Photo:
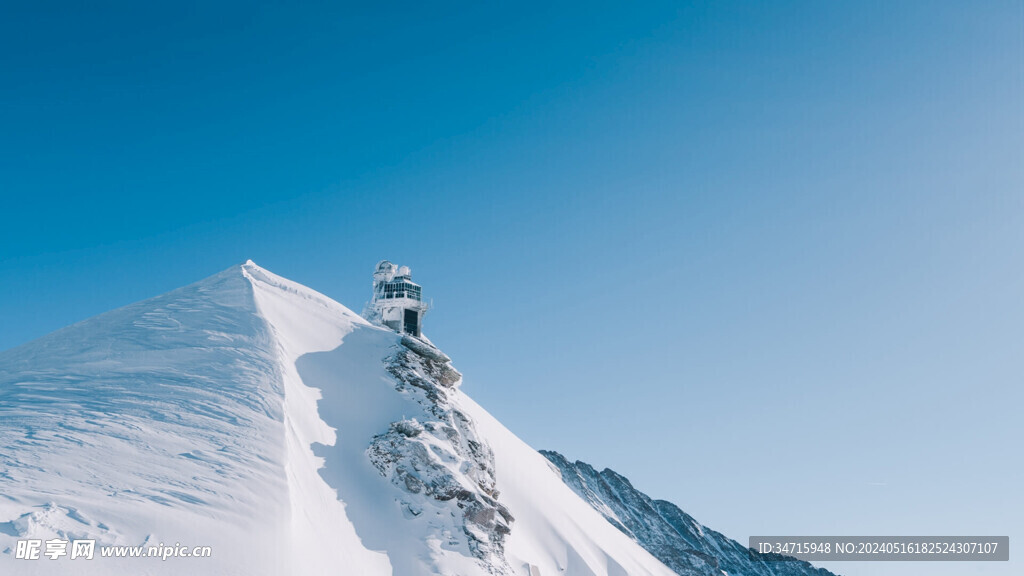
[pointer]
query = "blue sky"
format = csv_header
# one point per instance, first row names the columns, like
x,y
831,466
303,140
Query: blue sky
x,y
765,260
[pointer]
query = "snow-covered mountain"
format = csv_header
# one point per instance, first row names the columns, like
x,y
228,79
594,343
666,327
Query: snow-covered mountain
x,y
254,416
260,418
670,534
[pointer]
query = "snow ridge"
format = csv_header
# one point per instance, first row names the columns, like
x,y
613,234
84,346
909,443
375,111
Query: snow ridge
x,y
156,422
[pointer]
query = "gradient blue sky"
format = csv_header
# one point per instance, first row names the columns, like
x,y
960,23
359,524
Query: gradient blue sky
x,y
765,259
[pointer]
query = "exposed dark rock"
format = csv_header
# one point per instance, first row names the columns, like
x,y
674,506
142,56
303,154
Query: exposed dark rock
x,y
424,349
419,457
668,533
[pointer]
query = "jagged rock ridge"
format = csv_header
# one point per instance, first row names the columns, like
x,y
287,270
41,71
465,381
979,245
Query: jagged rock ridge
x,y
668,533
443,458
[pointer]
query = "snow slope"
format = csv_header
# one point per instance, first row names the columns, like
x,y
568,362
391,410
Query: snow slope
x,y
256,416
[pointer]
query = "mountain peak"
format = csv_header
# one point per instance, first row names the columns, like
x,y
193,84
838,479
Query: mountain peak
x,y
257,416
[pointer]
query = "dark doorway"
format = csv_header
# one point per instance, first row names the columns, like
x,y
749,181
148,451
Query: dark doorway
x,y
412,322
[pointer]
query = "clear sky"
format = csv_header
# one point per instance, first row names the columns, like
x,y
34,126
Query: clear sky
x,y
765,259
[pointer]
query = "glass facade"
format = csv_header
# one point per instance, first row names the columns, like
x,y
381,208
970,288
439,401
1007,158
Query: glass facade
x,y
400,289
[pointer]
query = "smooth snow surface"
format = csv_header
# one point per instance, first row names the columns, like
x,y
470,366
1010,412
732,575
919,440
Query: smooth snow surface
x,y
236,413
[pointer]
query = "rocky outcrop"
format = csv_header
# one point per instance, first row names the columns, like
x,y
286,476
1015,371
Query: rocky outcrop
x,y
668,533
442,458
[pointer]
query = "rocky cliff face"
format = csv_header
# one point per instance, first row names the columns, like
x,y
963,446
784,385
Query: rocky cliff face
x,y
443,458
668,533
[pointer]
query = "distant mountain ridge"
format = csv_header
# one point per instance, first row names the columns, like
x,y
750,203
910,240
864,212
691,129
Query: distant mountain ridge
x,y
668,533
